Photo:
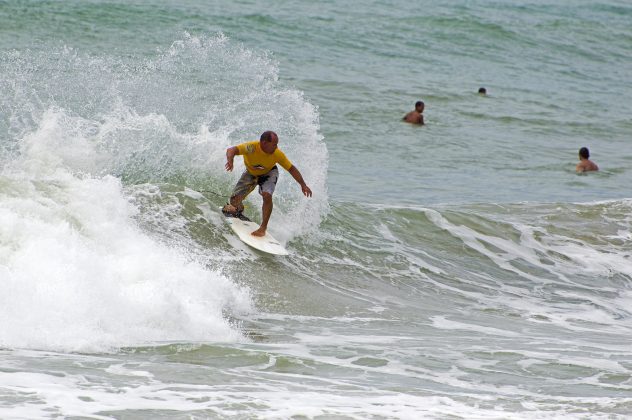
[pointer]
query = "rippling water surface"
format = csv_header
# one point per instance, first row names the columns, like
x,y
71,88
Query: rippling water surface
x,y
456,270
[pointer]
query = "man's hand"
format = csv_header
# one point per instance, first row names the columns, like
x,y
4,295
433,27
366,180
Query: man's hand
x,y
306,191
229,165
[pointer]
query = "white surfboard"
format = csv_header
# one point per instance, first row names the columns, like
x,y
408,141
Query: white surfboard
x,y
266,243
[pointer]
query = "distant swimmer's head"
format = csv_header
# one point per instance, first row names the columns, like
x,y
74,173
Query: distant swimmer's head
x,y
419,106
269,141
584,153
482,91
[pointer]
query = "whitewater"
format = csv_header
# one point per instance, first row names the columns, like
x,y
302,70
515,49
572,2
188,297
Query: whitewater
x,y
456,270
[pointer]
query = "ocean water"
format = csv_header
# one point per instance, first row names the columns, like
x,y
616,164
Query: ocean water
x,y
459,270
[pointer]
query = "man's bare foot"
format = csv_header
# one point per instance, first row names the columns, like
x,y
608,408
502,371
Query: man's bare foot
x,y
259,232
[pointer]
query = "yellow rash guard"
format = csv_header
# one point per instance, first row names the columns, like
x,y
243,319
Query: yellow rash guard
x,y
259,162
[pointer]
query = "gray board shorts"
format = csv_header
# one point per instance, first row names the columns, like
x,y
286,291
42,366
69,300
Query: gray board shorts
x,y
247,183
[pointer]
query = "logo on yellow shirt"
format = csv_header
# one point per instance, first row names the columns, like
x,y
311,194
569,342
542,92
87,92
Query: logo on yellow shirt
x,y
250,148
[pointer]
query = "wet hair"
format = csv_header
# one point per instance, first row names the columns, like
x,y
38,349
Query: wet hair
x,y
419,103
583,152
482,90
267,136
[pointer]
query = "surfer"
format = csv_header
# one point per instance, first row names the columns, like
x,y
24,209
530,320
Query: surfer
x,y
585,164
260,158
416,116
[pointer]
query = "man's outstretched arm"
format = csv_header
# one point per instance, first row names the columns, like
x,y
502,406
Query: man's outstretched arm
x,y
230,155
299,178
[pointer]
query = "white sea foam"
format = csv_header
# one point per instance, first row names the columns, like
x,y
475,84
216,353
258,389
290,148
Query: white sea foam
x,y
74,396
446,324
78,274
580,258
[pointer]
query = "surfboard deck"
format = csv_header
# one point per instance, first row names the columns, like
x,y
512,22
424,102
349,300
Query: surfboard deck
x,y
243,227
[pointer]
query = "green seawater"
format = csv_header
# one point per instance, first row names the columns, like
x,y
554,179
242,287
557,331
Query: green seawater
x,y
457,270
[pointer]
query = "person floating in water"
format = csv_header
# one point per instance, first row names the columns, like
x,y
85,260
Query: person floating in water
x,y
416,116
585,164
482,91
260,158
